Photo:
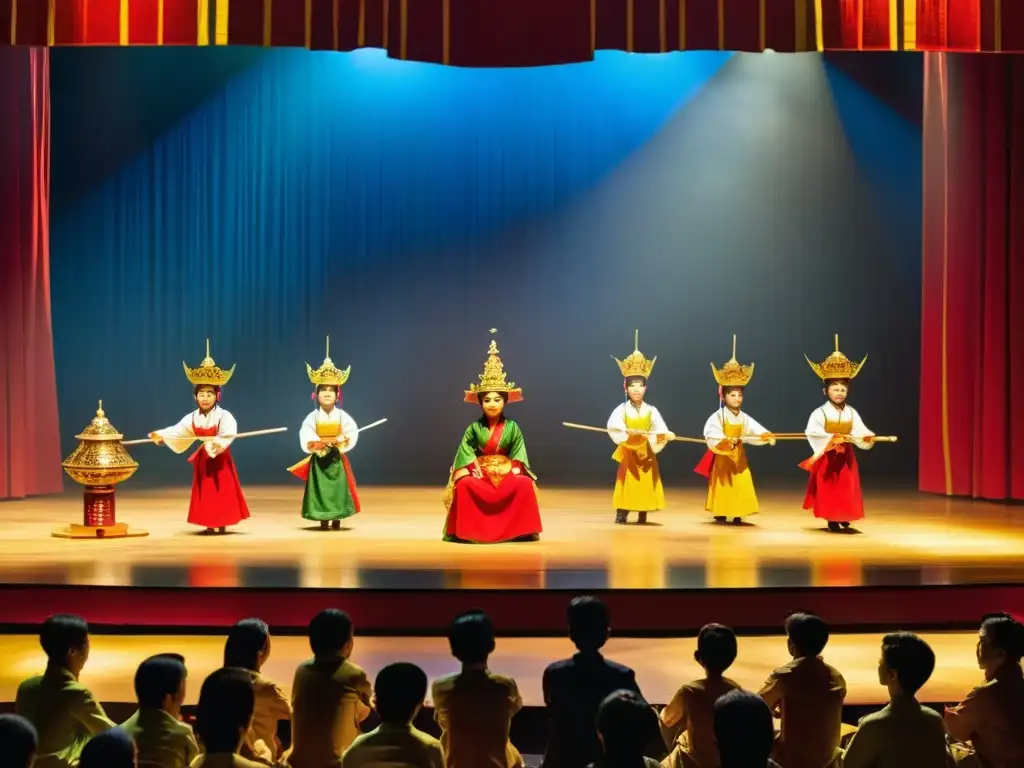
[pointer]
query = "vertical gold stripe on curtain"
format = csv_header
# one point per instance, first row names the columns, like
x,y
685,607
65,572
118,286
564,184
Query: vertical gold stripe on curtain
x,y
403,25
361,25
909,25
682,25
800,32
721,25
268,22
334,23
159,22
203,22
593,25
386,14
894,25
860,25
14,22
446,31
308,36
662,31
997,20
762,25
629,26
123,26
51,22
819,31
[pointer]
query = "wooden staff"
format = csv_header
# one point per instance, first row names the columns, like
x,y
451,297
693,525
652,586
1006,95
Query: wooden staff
x,y
257,433
677,439
802,436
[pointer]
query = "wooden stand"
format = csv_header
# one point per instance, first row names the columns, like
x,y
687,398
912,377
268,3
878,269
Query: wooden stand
x,y
99,518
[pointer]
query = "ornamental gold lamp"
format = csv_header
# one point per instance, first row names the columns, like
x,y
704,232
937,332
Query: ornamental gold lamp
x,y
99,463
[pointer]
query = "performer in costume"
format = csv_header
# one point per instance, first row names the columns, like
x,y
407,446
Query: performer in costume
x,y
833,491
638,430
730,484
327,435
491,495
217,499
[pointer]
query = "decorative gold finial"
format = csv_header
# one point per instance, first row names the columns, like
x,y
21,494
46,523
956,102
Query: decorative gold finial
x,y
732,374
328,374
836,366
208,373
635,364
99,410
493,377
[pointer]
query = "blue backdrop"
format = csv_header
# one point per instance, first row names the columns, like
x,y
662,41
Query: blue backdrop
x,y
267,199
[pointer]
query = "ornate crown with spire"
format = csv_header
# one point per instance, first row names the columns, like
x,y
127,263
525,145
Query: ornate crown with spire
x,y
836,366
636,364
328,374
493,378
208,372
732,374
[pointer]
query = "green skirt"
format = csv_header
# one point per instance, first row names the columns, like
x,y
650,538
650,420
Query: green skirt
x,y
330,489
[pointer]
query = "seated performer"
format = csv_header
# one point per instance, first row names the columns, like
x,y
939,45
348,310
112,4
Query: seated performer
x,y
491,496
833,491
640,433
217,499
327,435
730,485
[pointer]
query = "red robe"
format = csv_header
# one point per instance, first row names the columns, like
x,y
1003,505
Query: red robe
x,y
484,513
833,489
217,499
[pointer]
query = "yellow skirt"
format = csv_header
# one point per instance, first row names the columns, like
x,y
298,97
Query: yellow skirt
x,y
638,485
731,488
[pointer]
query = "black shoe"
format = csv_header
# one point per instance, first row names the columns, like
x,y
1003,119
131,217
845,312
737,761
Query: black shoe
x,y
719,518
324,525
846,526
641,518
222,529
336,525
620,516
835,528
737,520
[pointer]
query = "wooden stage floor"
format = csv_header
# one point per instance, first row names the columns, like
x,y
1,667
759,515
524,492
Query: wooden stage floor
x,y
907,539
661,664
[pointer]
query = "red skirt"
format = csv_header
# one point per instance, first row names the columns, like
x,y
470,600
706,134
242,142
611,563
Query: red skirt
x,y
833,490
217,499
483,513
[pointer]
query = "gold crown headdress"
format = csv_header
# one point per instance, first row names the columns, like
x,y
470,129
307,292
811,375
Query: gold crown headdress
x,y
208,372
732,374
636,364
493,378
836,366
328,374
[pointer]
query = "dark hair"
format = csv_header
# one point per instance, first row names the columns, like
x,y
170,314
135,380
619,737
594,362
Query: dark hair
x,y
631,379
626,723
399,689
158,677
471,637
728,387
808,633
743,729
246,640
589,623
910,657
61,634
840,380
335,387
329,632
1006,634
18,739
226,703
716,647
197,387
481,395
110,749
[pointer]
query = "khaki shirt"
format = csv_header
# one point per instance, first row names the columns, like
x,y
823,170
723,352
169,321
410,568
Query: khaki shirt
x,y
330,698
64,713
991,718
393,746
162,740
904,734
474,709
691,713
808,695
271,705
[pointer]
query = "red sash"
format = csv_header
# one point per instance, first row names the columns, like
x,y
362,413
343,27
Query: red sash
x,y
494,441
704,467
202,432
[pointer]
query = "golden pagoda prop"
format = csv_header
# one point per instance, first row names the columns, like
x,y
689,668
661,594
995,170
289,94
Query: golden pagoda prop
x,y
99,463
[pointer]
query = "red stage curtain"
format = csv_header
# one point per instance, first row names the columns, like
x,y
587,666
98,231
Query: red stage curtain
x,y
29,435
972,335
485,33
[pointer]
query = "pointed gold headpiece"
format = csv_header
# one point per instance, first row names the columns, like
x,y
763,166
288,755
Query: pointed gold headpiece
x,y
208,372
328,374
493,378
636,364
836,366
732,374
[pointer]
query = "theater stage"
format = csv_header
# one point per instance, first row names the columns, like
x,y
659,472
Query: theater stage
x,y
918,560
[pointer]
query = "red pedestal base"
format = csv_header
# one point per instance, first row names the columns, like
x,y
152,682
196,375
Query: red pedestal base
x,y
99,519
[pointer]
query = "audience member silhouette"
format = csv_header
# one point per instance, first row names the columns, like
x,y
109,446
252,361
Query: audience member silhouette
x,y
223,718
18,741
111,749
744,731
625,725
162,740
